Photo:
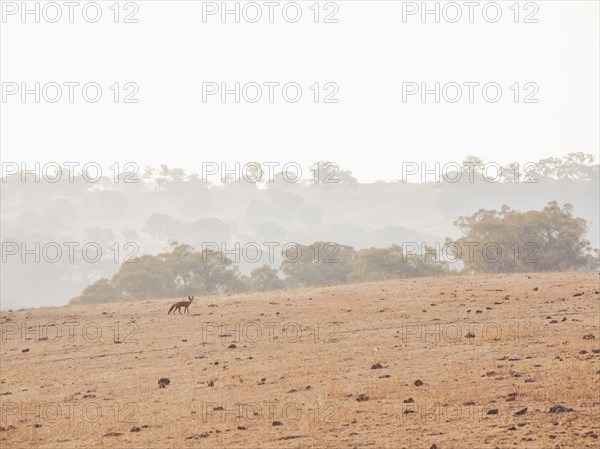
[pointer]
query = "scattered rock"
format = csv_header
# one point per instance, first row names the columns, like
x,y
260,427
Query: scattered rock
x,y
135,429
470,335
292,437
535,289
277,423
362,397
241,428
197,437
231,346
113,434
211,384
377,366
409,401
560,409
25,350
589,337
493,411
163,382
578,294
418,383
385,376
521,412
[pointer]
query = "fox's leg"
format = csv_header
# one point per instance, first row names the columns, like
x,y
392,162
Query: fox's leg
x,y
179,308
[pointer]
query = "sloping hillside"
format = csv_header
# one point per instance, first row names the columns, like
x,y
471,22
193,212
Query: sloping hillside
x,y
459,362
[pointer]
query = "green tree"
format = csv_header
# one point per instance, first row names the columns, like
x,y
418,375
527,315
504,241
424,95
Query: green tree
x,y
264,279
99,292
322,263
375,264
508,240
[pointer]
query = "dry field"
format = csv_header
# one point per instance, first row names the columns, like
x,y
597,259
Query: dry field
x,y
502,361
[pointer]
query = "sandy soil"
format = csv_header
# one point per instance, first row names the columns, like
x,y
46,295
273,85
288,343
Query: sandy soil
x,y
452,362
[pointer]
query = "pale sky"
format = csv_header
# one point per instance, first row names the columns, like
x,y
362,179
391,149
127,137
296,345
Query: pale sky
x,y
368,54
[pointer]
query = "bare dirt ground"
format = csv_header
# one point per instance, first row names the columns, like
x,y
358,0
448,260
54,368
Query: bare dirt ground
x,y
498,361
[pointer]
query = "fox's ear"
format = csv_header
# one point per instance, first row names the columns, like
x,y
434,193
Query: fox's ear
x,y
189,297
192,297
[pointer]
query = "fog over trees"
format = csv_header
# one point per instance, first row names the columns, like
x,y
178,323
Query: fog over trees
x,y
166,232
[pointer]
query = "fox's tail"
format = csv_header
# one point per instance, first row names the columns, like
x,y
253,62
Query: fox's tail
x,y
171,309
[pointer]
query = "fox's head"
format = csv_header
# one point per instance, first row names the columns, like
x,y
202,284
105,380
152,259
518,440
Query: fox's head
x,y
190,298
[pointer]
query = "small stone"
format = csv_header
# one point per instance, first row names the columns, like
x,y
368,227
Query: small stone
x,y
418,383
560,409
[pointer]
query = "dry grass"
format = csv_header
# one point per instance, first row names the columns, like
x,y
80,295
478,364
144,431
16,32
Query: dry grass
x,y
78,390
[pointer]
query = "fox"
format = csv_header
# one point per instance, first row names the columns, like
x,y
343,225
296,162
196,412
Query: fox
x,y
180,304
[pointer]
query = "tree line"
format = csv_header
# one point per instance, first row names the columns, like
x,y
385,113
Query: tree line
x,y
493,241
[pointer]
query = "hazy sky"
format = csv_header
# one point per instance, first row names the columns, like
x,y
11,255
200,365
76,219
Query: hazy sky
x,y
368,54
